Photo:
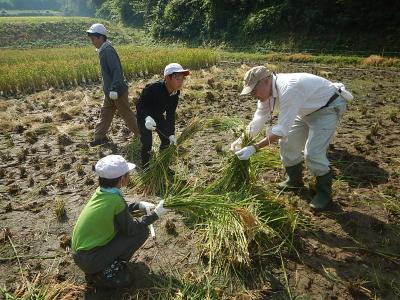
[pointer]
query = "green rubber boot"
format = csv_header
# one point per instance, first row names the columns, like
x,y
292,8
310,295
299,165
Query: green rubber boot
x,y
323,195
295,177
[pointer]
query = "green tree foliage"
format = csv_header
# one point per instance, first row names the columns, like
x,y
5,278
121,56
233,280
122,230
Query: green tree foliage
x,y
78,8
249,20
180,19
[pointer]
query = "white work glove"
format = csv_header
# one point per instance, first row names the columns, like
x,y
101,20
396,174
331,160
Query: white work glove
x,y
150,123
160,210
146,206
246,152
236,145
172,140
113,95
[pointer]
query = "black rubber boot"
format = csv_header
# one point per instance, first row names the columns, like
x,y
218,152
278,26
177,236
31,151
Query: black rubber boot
x,y
295,177
323,196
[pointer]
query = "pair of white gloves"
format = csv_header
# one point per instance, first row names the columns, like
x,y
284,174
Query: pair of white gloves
x,y
242,153
159,209
151,125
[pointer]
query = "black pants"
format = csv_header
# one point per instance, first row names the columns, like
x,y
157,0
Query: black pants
x,y
146,138
121,247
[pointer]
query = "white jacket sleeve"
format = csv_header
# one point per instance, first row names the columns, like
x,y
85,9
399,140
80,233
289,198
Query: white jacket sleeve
x,y
261,116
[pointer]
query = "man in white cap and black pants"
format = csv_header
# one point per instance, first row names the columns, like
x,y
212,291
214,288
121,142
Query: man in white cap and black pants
x,y
309,110
105,235
115,87
159,98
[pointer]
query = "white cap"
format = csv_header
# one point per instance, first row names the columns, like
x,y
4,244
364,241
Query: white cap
x,y
97,28
175,68
252,77
113,166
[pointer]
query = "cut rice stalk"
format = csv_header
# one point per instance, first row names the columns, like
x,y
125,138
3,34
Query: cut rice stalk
x,y
237,174
156,177
132,150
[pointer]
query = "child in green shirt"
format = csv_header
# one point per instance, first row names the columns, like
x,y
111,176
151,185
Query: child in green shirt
x,y
105,235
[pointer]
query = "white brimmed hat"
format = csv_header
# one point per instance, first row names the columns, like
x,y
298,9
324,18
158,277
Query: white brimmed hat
x,y
175,68
252,77
97,28
113,166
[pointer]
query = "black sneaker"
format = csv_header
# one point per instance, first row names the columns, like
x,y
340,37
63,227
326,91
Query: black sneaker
x,y
117,275
100,141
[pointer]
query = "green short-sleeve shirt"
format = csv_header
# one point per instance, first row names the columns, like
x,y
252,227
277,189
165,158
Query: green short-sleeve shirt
x,y
95,226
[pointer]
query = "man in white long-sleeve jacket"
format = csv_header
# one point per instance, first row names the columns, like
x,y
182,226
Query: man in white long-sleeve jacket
x,y
309,110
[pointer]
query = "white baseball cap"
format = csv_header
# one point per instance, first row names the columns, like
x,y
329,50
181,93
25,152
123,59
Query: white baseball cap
x,y
175,68
97,28
113,166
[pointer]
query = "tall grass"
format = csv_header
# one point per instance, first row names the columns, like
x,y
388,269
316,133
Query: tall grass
x,y
27,71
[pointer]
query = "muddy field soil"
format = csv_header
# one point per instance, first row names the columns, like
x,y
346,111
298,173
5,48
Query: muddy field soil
x,y
351,251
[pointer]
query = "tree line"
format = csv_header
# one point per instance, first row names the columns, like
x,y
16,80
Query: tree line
x,y
328,24
350,24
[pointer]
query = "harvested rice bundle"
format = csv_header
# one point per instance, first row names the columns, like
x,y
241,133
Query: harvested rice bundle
x,y
237,174
155,178
234,227
226,225
265,159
